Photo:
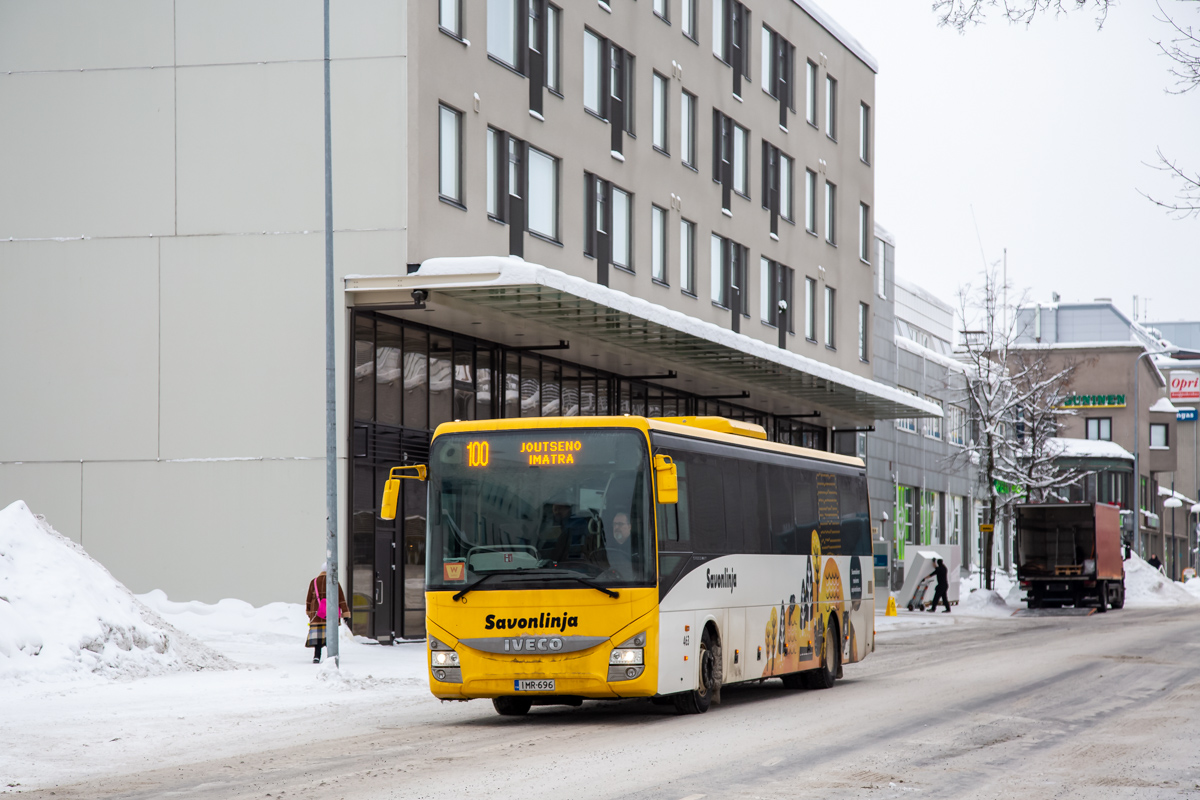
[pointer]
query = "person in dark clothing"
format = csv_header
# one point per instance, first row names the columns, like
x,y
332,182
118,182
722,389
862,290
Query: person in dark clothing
x,y
942,587
1155,562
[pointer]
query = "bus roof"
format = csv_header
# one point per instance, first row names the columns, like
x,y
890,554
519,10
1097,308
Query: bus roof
x,y
694,427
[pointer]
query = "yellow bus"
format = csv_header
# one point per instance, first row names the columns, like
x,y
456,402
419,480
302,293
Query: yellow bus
x,y
620,557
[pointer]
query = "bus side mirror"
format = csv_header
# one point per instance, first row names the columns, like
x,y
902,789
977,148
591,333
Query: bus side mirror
x,y
667,479
391,489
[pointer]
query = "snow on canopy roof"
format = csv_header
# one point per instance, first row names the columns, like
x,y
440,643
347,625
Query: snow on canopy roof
x,y
1089,448
1164,406
1163,491
505,280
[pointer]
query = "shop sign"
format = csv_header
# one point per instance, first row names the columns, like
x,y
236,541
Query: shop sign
x,y
1185,385
1185,415
1094,401
1003,487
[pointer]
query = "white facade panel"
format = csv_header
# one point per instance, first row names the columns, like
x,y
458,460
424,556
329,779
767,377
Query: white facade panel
x,y
368,159
79,320
251,148
368,29
248,31
96,160
254,530
243,376
64,34
52,490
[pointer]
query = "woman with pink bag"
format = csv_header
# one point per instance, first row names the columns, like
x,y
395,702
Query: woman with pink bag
x,y
317,613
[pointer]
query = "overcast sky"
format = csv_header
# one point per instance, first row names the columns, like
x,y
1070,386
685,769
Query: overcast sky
x,y
1043,130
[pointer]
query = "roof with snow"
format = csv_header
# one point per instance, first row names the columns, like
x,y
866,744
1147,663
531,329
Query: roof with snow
x,y
579,307
822,18
1091,454
1163,406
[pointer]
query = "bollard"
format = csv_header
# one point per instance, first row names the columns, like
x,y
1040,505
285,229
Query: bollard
x,y
891,606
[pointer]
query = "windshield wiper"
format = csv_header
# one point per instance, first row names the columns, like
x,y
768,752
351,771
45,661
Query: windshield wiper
x,y
578,579
459,594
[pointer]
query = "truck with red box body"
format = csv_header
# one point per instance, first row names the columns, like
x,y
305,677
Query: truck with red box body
x,y
1070,554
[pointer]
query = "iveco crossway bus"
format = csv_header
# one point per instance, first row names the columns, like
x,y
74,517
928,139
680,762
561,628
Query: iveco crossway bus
x,y
616,557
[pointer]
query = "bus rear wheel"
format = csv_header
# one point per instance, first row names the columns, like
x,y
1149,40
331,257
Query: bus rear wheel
x,y
698,700
512,706
824,677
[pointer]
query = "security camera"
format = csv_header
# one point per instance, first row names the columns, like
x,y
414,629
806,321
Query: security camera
x,y
419,295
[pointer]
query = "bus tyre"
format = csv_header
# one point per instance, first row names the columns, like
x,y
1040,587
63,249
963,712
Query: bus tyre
x,y
512,706
698,701
824,677
1102,606
793,680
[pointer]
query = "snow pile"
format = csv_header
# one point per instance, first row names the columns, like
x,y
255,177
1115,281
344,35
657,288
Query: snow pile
x,y
232,620
63,616
984,603
1145,586
1193,586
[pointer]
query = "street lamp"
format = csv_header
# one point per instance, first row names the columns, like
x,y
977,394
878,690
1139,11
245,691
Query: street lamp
x,y
1137,455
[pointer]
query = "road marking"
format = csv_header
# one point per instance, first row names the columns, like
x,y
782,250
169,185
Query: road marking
x,y
693,797
772,762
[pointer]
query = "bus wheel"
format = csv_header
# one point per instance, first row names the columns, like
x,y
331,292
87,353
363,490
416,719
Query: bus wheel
x,y
793,680
698,701
512,706
824,677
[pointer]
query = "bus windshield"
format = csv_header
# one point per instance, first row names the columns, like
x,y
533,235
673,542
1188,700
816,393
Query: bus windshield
x,y
539,508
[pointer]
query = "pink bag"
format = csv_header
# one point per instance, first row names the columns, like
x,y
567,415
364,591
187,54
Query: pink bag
x,y
320,601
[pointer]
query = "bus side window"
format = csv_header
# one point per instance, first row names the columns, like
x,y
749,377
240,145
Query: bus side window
x,y
736,511
856,523
804,499
782,523
706,477
754,508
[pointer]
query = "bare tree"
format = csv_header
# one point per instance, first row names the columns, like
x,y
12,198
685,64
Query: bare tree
x,y
1033,464
1181,47
1013,398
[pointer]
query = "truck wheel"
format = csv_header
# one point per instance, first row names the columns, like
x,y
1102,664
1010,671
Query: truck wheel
x,y
698,700
1103,605
1119,596
512,706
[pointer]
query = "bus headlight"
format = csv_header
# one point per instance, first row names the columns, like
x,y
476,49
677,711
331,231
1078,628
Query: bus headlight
x,y
445,658
626,656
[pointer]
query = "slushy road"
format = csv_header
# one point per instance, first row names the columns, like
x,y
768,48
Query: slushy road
x,y
1066,707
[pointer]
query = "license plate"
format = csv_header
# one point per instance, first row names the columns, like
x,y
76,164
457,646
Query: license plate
x,y
533,686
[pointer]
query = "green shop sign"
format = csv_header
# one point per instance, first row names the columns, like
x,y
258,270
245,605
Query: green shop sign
x,y
1008,488
1094,401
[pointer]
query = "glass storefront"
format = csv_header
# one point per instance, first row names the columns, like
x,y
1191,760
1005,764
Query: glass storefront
x,y
407,379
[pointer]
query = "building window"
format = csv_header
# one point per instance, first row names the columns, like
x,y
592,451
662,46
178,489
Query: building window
x,y
593,99
881,269
775,289
503,32
830,327
956,418
810,105
907,423
661,10
1158,435
864,232
777,184
810,201
730,153
1100,428
810,309
622,228
687,128
658,244
687,13
687,256
543,194
864,133
864,331
659,126
778,68
831,107
450,154
728,275
933,425
830,213
553,48
450,16
495,200
731,34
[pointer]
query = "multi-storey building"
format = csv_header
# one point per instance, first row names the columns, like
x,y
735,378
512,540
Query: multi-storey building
x,y
921,482
1117,361
659,207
